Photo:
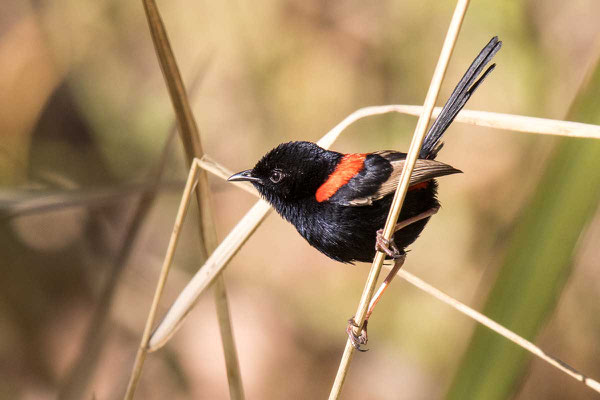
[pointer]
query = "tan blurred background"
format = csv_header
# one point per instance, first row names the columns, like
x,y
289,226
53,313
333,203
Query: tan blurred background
x,y
84,118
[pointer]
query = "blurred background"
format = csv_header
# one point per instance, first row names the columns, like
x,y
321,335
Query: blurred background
x,y
85,122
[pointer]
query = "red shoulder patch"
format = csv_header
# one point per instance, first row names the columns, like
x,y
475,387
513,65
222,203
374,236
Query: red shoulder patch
x,y
349,165
418,186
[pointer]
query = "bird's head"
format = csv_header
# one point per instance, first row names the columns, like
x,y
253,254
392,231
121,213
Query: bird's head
x,y
290,172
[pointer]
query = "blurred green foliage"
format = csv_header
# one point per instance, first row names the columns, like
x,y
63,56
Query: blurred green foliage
x,y
539,259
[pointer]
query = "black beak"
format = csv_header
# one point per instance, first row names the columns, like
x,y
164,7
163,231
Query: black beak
x,y
243,176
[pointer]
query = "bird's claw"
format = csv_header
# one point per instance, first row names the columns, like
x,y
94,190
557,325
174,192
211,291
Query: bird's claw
x,y
357,340
387,246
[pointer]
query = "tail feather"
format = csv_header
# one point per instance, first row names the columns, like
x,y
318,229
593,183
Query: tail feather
x,y
459,97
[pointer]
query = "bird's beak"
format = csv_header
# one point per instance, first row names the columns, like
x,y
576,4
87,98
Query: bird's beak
x,y
243,176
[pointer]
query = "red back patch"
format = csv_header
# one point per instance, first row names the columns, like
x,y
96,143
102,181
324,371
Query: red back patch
x,y
349,165
418,186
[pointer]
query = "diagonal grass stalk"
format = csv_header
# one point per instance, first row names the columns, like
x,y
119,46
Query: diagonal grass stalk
x,y
516,123
411,158
190,137
162,280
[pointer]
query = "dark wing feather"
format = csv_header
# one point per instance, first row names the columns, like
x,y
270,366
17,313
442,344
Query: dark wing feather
x,y
380,177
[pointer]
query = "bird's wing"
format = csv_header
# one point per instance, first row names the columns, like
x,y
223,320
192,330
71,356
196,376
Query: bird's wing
x,y
380,177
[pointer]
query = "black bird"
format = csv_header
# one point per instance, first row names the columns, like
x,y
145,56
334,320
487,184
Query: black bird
x,y
339,202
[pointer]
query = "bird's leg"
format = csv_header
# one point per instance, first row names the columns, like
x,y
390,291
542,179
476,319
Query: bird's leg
x,y
398,263
390,249
358,340
388,246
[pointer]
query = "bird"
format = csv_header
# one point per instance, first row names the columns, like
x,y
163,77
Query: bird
x,y
339,202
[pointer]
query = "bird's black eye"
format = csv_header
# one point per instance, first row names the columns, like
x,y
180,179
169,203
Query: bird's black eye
x,y
276,176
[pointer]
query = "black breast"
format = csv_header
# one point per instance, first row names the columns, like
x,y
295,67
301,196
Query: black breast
x,y
347,234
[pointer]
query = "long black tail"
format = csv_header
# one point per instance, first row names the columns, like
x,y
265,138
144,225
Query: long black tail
x,y
459,97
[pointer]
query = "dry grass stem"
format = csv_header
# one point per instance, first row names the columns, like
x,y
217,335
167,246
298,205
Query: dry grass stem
x,y
517,123
190,138
162,280
207,274
21,203
499,329
411,158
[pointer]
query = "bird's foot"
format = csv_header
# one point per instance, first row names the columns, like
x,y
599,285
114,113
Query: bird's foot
x,y
357,340
387,246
